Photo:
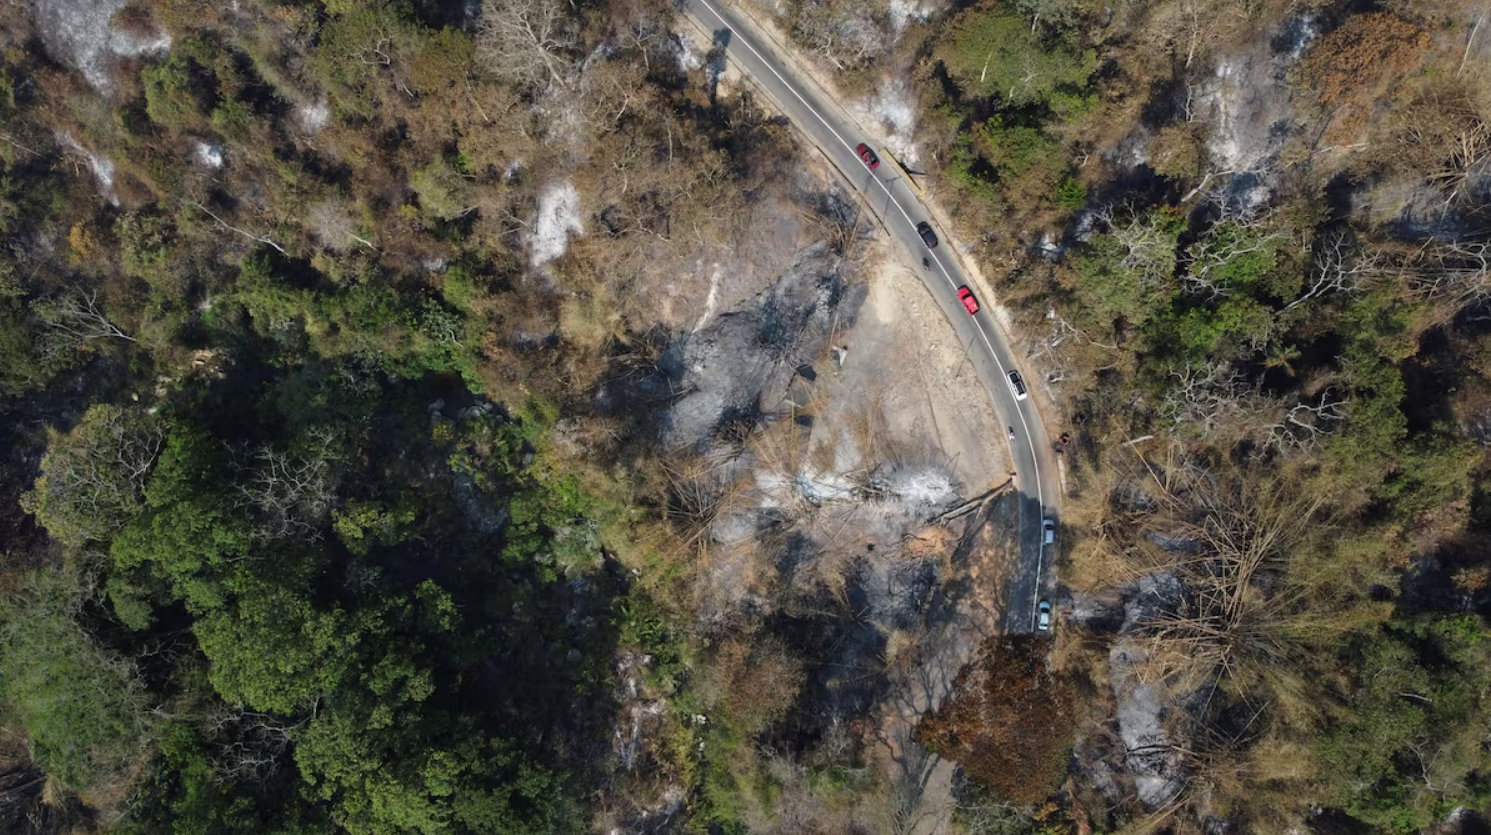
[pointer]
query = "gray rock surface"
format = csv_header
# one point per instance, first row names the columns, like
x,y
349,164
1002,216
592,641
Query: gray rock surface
x,y
740,365
81,32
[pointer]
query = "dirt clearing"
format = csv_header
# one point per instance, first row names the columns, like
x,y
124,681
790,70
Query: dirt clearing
x,y
905,370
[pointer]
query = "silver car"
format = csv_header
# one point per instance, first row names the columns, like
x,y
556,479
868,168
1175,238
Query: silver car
x,y
1043,616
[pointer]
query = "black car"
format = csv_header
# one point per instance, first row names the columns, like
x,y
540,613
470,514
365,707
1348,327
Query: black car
x,y
928,236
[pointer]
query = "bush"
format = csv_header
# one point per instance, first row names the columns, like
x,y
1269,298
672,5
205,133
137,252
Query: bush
x,y
81,703
1353,67
1029,162
176,96
1071,194
443,191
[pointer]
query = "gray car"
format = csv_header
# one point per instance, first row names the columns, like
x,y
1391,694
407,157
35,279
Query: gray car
x,y
1043,616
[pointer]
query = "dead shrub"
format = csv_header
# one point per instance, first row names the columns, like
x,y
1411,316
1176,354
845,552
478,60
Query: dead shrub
x,y
755,682
1353,68
1010,722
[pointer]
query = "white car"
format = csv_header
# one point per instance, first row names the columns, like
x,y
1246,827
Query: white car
x,y
1043,616
1017,385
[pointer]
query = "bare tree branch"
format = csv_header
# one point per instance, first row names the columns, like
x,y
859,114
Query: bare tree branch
x,y
528,41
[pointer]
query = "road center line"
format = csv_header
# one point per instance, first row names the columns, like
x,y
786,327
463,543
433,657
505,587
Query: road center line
x,y
978,324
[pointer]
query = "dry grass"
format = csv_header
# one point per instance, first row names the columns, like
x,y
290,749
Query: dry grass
x,y
1266,598
1252,551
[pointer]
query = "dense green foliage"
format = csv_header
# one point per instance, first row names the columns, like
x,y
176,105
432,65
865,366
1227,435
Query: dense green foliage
x,y
364,657
1405,748
82,703
994,52
324,535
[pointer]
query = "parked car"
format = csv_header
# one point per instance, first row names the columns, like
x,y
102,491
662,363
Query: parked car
x,y
928,236
1017,385
965,296
1043,616
1048,532
867,156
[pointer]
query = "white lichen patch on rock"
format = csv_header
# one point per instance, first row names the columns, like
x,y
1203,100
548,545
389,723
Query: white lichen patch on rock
x,y
82,33
208,155
101,166
1246,102
1150,751
558,216
904,12
921,489
313,117
689,56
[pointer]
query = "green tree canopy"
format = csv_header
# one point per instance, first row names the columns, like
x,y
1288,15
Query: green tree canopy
x,y
992,52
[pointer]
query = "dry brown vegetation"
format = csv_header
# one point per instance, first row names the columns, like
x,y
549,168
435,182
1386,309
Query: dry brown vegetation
x,y
1010,723
1265,587
1351,69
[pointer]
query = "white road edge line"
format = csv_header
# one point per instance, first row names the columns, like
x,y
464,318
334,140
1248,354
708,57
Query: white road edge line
x,y
1035,459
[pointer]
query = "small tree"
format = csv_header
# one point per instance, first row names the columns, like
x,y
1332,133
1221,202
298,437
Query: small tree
x,y
1010,722
73,321
1353,67
994,53
93,478
443,191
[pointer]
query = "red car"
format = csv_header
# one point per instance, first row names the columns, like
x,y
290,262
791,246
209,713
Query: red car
x,y
965,296
868,156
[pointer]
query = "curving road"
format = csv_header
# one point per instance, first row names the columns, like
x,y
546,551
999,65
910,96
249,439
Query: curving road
x,y
893,200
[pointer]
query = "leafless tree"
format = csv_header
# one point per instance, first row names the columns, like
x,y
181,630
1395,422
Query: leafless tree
x,y
843,33
1220,402
1342,267
531,42
1213,401
331,221
1249,565
1457,272
1305,424
1445,134
223,224
1149,249
609,90
247,747
288,493
1231,236
73,320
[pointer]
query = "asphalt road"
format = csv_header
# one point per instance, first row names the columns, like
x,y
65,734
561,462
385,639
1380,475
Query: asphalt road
x,y
894,201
